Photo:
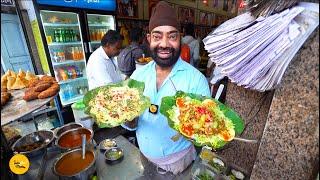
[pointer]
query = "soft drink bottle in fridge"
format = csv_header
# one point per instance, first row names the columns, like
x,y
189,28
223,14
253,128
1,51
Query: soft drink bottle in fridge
x,y
101,33
56,35
69,71
92,38
67,35
80,53
73,53
96,35
63,74
67,93
61,55
74,73
70,91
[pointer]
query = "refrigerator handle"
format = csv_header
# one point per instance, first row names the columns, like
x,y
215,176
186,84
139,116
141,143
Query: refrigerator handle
x,y
90,47
85,47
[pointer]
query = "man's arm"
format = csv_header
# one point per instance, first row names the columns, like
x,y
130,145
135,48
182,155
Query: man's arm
x,y
196,51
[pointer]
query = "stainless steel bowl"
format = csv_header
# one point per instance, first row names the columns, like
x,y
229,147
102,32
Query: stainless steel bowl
x,y
66,127
43,138
83,174
74,135
113,155
107,144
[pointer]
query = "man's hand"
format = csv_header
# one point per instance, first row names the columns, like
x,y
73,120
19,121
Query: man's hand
x,y
132,124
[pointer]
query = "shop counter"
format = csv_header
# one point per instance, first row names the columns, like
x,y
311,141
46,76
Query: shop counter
x,y
133,166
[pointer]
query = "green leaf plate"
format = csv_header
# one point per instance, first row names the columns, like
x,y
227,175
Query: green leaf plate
x,y
169,101
131,83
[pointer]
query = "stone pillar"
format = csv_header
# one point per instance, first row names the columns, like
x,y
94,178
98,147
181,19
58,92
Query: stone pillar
x,y
289,147
253,108
285,121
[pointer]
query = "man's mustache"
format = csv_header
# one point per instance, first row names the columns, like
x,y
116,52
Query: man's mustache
x,y
164,49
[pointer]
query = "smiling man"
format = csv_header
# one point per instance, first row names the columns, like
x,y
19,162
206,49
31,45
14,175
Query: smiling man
x,y
164,76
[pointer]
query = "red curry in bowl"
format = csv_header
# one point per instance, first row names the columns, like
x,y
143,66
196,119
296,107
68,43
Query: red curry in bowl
x,y
72,163
72,139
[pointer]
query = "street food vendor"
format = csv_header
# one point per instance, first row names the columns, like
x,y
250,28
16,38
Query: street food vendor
x,y
164,76
102,68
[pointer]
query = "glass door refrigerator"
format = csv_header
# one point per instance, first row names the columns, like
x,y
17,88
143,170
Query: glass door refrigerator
x,y
65,44
98,25
71,34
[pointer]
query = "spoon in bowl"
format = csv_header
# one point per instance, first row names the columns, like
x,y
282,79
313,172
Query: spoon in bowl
x,y
83,146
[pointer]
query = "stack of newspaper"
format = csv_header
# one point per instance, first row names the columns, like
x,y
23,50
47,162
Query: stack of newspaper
x,y
266,8
255,52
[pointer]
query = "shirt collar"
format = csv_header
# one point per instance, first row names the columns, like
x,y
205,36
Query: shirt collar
x,y
179,66
103,53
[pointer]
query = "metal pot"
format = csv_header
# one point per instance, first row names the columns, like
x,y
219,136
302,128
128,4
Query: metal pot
x,y
66,127
74,137
84,174
39,139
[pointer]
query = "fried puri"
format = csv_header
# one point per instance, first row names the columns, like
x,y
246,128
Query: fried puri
x,y
51,91
33,82
47,78
42,86
5,96
30,94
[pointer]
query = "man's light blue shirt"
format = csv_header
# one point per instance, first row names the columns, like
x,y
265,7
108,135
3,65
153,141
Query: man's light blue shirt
x,y
153,132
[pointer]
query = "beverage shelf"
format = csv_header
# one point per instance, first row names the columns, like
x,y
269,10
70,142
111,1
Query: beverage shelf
x,y
72,80
95,42
68,62
72,100
99,25
65,43
59,25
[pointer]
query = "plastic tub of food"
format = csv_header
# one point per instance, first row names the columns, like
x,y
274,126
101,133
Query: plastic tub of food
x,y
201,171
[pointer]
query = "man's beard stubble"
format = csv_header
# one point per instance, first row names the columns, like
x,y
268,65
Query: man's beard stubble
x,y
168,62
